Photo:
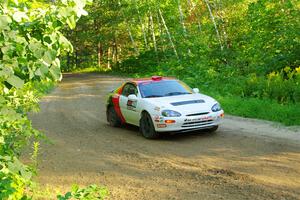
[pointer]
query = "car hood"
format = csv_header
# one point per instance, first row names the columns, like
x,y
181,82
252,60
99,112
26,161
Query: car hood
x,y
185,104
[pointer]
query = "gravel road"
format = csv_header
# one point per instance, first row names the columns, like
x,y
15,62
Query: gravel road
x,y
244,159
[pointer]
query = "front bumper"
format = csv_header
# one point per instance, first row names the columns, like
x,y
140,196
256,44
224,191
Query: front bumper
x,y
185,123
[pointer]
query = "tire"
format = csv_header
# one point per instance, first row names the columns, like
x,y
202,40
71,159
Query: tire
x,y
147,128
212,129
112,118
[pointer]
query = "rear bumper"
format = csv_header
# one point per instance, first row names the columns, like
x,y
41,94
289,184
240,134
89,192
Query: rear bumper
x,y
187,124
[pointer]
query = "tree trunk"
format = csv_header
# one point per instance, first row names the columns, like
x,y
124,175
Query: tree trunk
x,y
132,40
142,26
115,50
163,41
191,4
152,30
182,24
181,18
100,52
220,15
129,32
214,22
108,58
169,35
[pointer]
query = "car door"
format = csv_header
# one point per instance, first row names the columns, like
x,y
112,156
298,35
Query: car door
x,y
128,107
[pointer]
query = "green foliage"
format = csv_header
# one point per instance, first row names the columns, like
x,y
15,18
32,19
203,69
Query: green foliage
x,y
15,132
281,86
234,49
91,192
30,43
146,62
255,40
261,108
273,39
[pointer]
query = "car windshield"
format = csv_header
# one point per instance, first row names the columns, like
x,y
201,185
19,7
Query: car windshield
x,y
163,88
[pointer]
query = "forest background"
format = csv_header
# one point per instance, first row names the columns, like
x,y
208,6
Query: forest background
x,y
245,53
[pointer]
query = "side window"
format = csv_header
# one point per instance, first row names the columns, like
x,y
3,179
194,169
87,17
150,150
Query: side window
x,y
129,89
125,90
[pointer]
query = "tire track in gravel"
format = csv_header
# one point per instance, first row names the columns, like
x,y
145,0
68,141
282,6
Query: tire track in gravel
x,y
245,159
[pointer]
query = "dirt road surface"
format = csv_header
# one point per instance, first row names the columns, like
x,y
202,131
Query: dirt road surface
x,y
244,159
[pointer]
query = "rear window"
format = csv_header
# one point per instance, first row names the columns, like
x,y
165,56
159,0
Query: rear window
x,y
163,88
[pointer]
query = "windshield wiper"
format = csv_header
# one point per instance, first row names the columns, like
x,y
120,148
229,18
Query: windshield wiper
x,y
151,96
176,93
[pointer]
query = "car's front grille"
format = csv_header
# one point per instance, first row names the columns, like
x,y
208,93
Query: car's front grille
x,y
197,123
197,114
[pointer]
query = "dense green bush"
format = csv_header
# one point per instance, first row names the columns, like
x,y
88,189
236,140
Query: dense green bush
x,y
30,42
15,132
92,192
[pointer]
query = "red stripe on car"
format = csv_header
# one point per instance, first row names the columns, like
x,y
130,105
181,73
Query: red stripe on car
x,y
116,103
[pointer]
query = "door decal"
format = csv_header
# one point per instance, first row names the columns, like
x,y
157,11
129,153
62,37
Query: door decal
x,y
131,105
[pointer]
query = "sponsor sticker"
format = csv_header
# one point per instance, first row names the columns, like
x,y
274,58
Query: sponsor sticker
x,y
199,119
161,125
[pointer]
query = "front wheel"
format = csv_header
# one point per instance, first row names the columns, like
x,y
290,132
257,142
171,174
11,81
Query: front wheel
x,y
147,128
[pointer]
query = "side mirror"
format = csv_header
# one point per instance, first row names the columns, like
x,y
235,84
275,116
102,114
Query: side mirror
x,y
196,90
132,97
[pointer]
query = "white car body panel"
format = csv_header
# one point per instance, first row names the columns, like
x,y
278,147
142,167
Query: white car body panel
x,y
154,106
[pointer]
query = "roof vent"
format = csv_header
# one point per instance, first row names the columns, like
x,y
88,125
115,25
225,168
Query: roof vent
x,y
156,78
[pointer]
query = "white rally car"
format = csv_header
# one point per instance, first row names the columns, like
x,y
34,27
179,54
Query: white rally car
x,y
160,104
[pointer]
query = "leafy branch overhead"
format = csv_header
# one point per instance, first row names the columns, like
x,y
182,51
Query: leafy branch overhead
x,y
31,40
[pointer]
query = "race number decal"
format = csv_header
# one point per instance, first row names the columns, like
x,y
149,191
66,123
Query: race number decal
x,y
131,105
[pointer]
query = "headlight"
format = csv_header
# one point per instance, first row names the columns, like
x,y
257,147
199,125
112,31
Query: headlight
x,y
216,107
170,113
